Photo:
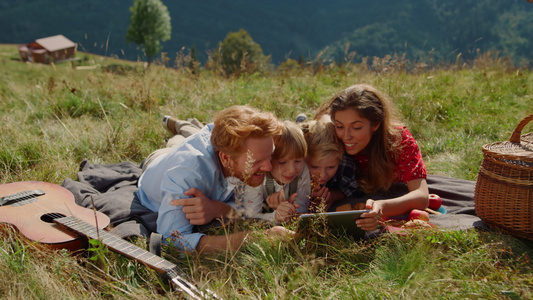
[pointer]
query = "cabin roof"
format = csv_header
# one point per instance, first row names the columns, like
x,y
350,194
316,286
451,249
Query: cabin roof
x,y
56,42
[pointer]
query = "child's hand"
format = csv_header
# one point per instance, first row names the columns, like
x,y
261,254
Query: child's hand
x,y
276,199
285,211
292,198
320,195
321,192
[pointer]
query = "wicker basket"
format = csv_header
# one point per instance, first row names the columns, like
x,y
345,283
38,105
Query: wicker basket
x,y
504,190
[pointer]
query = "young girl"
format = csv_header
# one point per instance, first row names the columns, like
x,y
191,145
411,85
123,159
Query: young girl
x,y
324,154
286,188
384,150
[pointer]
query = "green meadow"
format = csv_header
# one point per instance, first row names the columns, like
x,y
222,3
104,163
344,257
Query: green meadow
x,y
109,111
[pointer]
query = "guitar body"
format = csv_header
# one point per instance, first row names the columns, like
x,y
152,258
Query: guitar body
x,y
32,212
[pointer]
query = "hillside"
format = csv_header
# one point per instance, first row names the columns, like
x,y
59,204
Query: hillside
x,y
419,28
56,116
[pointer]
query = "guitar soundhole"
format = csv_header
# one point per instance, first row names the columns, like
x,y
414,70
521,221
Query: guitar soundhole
x,y
49,218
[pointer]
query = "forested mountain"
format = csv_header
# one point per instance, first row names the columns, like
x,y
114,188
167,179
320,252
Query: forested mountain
x,y
290,29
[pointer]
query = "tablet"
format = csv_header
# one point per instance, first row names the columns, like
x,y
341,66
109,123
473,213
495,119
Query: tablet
x,y
339,222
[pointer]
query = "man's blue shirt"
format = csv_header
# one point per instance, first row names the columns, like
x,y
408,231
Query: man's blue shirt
x,y
192,164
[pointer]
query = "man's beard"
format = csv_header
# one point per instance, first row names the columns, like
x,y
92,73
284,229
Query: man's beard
x,y
247,177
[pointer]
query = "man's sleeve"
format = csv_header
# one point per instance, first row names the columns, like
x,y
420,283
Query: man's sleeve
x,y
171,222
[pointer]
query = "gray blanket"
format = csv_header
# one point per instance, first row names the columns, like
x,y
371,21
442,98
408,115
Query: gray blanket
x,y
457,199
111,189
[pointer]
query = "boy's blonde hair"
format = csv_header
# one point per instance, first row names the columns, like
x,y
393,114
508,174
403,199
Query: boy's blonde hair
x,y
290,143
233,125
322,140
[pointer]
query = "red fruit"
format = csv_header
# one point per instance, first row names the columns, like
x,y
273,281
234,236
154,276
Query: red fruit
x,y
418,214
434,201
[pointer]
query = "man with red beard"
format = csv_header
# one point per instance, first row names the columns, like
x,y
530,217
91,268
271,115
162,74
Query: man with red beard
x,y
194,183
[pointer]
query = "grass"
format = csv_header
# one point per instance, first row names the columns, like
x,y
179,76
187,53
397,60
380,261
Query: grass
x,y
53,117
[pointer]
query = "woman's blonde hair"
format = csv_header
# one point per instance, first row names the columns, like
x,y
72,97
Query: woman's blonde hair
x,y
233,125
291,143
321,140
376,107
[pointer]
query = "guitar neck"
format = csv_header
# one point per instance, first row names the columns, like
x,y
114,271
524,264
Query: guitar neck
x,y
130,250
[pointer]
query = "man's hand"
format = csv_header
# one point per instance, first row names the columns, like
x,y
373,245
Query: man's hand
x,y
199,209
280,232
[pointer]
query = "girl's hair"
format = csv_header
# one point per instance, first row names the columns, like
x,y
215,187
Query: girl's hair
x,y
321,140
233,125
374,106
290,143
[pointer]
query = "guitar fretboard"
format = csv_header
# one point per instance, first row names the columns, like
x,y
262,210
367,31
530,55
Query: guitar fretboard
x,y
130,250
21,197
116,243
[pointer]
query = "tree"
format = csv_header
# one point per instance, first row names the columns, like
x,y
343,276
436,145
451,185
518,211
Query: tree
x,y
193,63
149,25
240,54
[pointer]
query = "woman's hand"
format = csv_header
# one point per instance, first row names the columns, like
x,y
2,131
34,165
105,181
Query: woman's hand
x,y
369,221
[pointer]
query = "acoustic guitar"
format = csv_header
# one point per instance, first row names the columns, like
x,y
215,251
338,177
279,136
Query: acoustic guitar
x,y
31,207
46,213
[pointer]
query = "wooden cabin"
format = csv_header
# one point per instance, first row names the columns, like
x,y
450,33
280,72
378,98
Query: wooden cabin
x,y
49,49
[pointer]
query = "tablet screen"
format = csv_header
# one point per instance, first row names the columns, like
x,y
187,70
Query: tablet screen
x,y
339,222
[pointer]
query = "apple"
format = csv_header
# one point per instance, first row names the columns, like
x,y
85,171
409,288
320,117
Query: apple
x,y
434,201
418,214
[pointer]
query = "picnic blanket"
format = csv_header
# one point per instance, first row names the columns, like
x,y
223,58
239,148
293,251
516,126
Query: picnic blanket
x,y
110,188
457,199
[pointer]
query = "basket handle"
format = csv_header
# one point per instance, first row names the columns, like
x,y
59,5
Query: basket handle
x,y
515,137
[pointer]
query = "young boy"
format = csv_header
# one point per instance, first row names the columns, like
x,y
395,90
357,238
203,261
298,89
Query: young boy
x,y
324,154
287,186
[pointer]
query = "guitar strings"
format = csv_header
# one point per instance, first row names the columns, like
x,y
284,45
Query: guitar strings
x,y
46,208
46,211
